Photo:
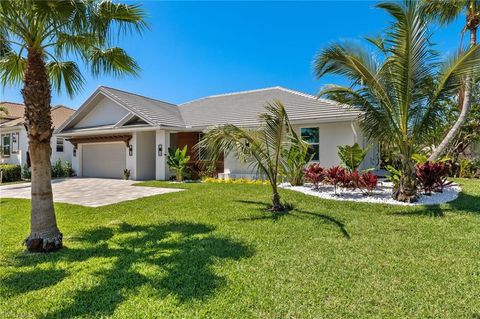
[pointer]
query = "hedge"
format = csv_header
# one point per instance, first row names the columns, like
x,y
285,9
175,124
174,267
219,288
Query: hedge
x,y
11,172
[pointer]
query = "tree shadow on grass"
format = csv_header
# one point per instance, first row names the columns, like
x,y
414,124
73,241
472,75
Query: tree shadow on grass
x,y
466,203
31,280
427,211
292,212
173,259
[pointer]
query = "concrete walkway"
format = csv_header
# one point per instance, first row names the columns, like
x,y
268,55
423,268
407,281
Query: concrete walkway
x,y
91,192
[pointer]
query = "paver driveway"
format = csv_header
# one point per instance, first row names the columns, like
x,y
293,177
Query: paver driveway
x,y
91,192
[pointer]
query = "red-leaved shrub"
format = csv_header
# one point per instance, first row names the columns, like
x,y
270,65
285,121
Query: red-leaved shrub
x,y
432,176
314,174
368,182
355,180
334,176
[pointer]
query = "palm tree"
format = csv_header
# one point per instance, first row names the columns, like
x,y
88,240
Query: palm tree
x,y
400,85
264,148
445,11
36,36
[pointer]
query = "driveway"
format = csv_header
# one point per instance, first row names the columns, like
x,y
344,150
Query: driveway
x,y
91,192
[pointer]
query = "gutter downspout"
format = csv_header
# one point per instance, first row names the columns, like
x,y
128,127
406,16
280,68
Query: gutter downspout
x,y
355,134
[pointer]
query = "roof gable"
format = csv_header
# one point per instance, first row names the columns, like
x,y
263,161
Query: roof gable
x,y
157,112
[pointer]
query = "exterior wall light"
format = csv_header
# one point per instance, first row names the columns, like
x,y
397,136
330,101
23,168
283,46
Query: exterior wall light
x,y
160,149
130,150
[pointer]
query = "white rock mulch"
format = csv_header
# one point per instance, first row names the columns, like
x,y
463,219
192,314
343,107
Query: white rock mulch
x,y
383,194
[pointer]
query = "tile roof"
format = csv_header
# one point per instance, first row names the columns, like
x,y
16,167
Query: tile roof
x,y
153,111
16,111
243,108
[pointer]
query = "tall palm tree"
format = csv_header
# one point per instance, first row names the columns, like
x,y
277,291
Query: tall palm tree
x,y
445,11
264,149
36,38
400,85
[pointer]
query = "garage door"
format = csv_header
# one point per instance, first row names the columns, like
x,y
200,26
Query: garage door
x,y
103,160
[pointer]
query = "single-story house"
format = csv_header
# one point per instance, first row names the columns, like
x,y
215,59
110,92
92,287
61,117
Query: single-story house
x,y
116,130
14,140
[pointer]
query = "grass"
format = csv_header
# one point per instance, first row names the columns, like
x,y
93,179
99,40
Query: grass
x,y
214,252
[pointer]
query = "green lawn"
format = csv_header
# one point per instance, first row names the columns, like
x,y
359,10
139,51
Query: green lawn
x,y
213,251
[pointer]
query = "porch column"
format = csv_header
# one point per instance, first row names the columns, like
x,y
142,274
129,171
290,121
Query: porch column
x,y
131,160
161,140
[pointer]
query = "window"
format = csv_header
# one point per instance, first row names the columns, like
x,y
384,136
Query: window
x,y
202,154
6,145
59,144
311,135
15,142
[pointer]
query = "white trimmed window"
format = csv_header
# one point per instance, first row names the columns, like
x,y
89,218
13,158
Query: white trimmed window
x,y
311,135
15,143
6,145
59,144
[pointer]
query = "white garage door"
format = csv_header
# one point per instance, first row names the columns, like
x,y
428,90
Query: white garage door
x,y
103,160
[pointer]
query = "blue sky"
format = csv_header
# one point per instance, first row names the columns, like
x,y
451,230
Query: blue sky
x,y
195,49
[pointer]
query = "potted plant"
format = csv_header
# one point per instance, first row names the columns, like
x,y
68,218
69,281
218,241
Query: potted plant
x,y
126,174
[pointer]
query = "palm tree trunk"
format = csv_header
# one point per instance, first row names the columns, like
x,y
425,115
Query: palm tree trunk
x,y
407,188
44,233
276,204
440,149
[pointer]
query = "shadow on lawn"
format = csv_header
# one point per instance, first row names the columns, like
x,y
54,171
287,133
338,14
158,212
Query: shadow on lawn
x,y
464,203
294,212
177,258
427,210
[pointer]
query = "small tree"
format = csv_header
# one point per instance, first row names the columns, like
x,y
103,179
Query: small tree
x,y
264,148
178,160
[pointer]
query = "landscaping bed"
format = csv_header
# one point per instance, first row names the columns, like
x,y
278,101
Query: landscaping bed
x,y
381,194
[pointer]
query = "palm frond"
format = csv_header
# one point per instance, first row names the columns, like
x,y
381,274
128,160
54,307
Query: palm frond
x,y
263,149
66,75
113,60
443,11
12,67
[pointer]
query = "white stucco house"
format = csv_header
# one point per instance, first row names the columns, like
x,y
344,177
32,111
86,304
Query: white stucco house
x,y
13,135
116,130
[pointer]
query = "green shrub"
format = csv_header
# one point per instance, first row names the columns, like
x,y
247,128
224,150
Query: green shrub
x,y
10,172
69,172
352,156
178,160
26,174
57,169
60,169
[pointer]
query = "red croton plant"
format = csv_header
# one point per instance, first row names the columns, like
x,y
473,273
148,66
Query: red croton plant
x,y
432,176
314,174
338,176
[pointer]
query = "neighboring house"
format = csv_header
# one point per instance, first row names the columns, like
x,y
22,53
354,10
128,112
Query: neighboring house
x,y
13,135
116,130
